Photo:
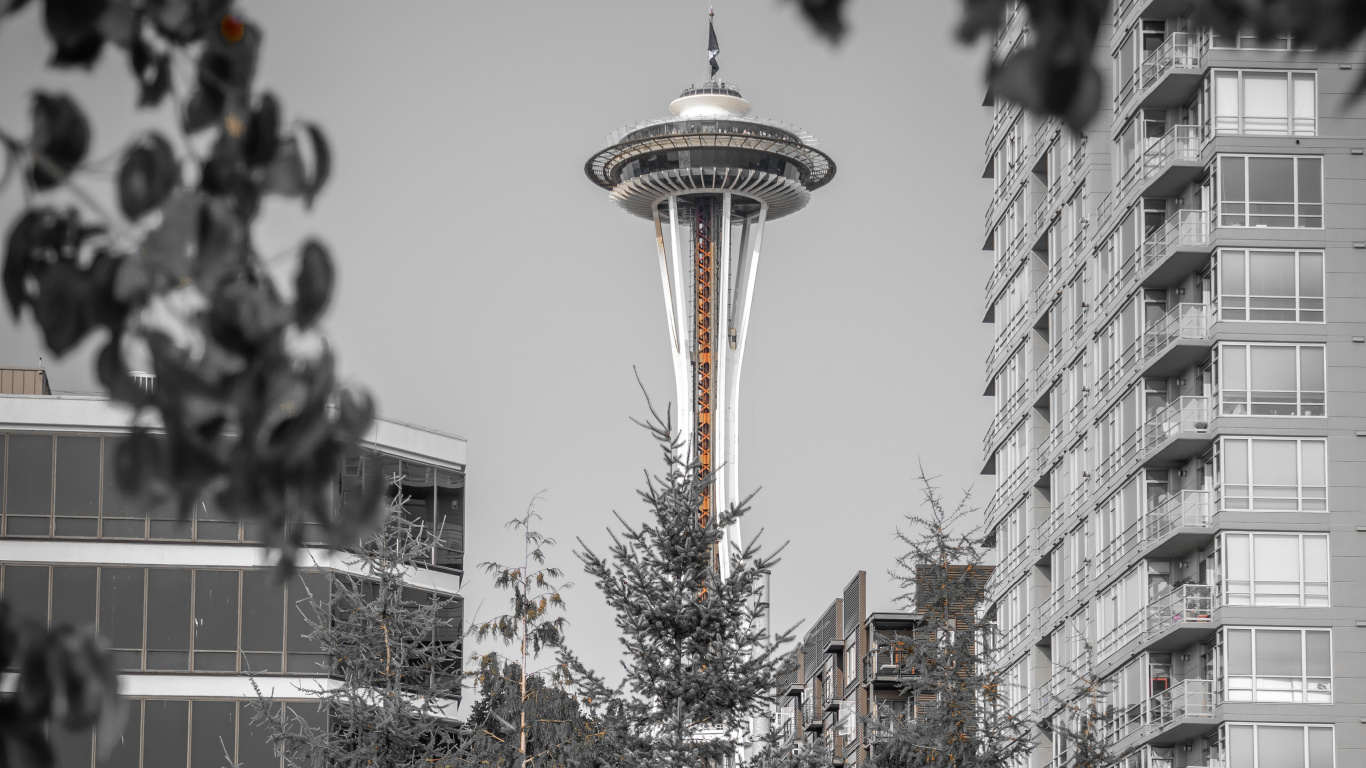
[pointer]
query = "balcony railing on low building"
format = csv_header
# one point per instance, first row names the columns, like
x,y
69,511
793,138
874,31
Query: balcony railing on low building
x,y
1185,605
1186,227
833,690
812,718
1184,321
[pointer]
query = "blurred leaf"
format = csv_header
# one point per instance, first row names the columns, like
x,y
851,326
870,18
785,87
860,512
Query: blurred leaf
x,y
152,70
827,16
322,163
147,175
41,237
8,162
10,6
313,284
73,26
227,66
168,248
61,136
223,244
120,22
286,175
981,17
203,109
263,132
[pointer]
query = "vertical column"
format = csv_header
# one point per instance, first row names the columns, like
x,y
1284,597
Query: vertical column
x,y
741,299
682,377
704,277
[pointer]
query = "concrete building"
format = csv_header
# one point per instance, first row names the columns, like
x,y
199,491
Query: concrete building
x,y
189,607
1179,297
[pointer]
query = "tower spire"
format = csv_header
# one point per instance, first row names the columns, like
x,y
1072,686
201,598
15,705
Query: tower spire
x,y
713,47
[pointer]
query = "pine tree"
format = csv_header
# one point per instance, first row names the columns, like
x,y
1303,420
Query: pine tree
x,y
529,716
697,656
1086,723
960,716
395,652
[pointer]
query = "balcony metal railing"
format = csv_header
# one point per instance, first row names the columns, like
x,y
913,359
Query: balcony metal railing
x,y
812,719
1183,509
1184,321
1185,605
833,690
1181,50
1184,414
1181,143
1185,227
1188,698
885,661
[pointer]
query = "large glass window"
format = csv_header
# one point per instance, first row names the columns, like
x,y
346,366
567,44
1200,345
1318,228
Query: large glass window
x,y
1275,569
28,486
1270,191
1262,745
1273,474
78,486
1271,379
1274,664
1247,40
1265,103
1271,286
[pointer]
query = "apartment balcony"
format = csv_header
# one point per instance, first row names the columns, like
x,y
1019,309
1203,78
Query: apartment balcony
x,y
1176,249
1181,617
1180,713
812,720
886,668
832,693
1173,526
1178,431
1176,341
1170,163
1171,74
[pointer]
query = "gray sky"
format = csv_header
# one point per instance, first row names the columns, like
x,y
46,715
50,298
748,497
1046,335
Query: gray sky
x,y
488,289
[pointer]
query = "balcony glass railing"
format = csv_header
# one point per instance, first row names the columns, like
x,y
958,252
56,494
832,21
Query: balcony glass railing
x,y
1182,509
1185,227
1185,605
1184,321
1188,698
1181,143
1184,414
1181,50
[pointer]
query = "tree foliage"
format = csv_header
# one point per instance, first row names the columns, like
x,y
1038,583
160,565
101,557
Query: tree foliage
x,y
247,401
526,716
1085,725
1055,73
396,653
962,716
698,661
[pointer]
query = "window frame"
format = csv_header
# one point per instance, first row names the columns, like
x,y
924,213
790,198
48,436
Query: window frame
x,y
1303,503
1247,202
1256,598
1223,685
1298,255
1240,119
1302,405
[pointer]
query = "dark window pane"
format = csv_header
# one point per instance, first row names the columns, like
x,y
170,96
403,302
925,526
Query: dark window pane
x,y
254,749
260,663
213,524
28,485
1232,184
263,611
78,477
215,610
1271,179
1311,180
167,734
75,749
168,623
73,596
120,528
115,503
213,729
26,591
125,750
121,606
1279,653
77,527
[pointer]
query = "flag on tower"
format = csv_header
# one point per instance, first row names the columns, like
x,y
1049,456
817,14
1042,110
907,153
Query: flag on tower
x,y
713,48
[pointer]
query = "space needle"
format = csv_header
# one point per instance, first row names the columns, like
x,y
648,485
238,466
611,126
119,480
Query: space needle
x,y
710,177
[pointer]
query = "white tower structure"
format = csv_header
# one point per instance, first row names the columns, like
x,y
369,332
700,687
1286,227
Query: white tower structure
x,y
710,178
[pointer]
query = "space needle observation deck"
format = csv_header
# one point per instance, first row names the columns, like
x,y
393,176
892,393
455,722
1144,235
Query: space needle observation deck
x,y
710,177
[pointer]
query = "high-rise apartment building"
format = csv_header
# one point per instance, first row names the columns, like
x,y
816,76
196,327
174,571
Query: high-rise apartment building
x,y
1179,440
191,608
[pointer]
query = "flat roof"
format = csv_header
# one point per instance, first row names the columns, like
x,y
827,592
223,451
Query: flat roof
x,y
97,414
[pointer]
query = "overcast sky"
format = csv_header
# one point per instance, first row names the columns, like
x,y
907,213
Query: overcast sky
x,y
488,289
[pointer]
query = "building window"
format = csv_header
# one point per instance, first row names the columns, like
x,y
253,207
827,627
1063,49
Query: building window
x,y
1262,745
1265,569
1265,103
1265,664
1272,474
1271,379
1010,381
1270,191
1271,286
1247,40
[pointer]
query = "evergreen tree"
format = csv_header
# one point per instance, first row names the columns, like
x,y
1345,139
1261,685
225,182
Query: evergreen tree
x,y
396,653
698,661
1085,726
525,718
961,716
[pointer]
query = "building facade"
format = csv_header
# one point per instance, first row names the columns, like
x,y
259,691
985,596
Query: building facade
x,y
192,609
1179,299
